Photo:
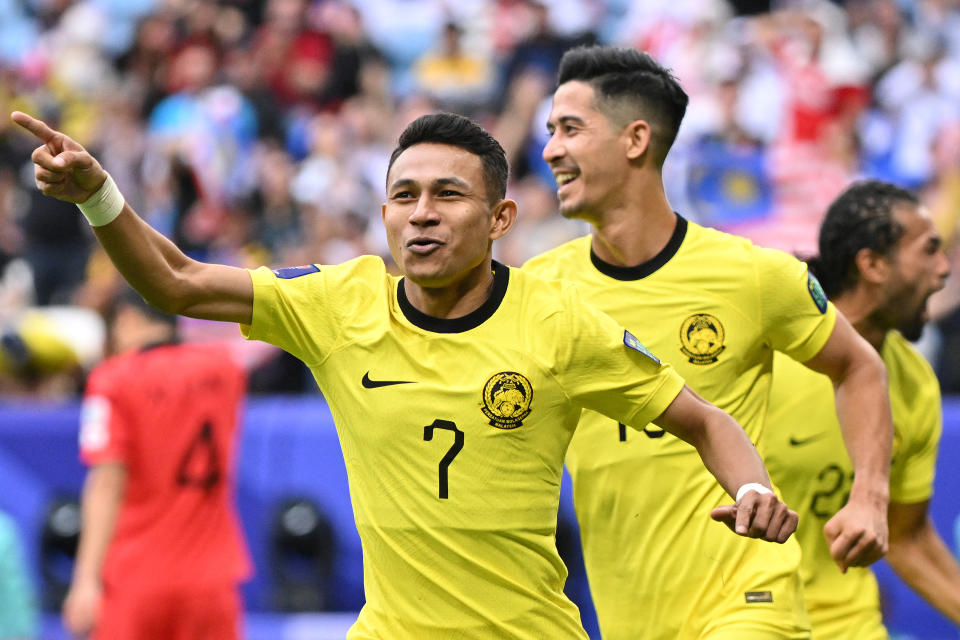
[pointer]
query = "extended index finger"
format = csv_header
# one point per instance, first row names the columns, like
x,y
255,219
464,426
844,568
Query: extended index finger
x,y
38,128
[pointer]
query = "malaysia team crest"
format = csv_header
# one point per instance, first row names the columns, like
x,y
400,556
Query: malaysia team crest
x,y
701,338
506,399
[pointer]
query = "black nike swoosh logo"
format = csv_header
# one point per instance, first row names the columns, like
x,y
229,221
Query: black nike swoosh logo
x,y
373,384
796,442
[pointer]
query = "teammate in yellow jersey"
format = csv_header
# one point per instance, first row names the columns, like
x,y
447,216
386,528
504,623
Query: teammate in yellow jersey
x,y
455,389
715,307
880,259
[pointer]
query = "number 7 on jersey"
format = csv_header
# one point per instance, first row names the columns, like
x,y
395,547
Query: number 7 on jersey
x,y
451,453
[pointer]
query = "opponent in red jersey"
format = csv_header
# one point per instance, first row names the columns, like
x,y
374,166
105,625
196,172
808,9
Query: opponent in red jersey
x,y
161,552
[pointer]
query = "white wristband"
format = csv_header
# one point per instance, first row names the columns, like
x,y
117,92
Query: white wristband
x,y
752,486
104,205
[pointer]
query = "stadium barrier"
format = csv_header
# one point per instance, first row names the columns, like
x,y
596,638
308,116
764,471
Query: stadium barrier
x,y
294,505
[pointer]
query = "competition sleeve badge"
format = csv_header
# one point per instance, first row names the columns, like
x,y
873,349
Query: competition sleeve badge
x,y
631,341
701,338
506,399
288,273
817,293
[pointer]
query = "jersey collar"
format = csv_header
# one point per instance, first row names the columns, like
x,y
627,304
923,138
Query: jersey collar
x,y
644,269
501,277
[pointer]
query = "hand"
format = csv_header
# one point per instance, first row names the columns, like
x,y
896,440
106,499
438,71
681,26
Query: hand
x,y
857,535
758,516
81,608
62,168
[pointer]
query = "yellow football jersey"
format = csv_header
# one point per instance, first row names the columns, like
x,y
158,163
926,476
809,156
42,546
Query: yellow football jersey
x,y
454,433
803,449
716,307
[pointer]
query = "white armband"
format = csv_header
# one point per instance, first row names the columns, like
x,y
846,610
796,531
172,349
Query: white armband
x,y
752,486
104,205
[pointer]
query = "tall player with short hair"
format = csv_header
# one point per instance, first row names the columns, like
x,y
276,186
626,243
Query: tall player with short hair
x,y
455,389
880,260
717,308
161,554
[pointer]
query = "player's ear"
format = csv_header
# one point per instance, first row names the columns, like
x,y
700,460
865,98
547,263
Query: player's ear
x,y
874,267
638,137
502,217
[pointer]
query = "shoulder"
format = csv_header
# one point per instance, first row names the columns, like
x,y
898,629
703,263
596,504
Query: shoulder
x,y
555,262
308,281
362,268
544,293
901,356
113,369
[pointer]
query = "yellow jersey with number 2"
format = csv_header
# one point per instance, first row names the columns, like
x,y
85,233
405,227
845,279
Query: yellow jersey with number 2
x,y
804,451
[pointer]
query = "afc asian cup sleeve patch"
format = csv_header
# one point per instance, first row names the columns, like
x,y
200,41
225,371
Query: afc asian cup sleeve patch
x,y
95,423
631,341
295,272
816,292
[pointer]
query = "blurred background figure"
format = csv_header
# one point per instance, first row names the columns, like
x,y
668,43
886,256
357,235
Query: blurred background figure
x,y
19,613
161,554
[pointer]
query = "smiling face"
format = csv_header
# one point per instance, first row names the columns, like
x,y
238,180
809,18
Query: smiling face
x,y
439,221
919,268
586,152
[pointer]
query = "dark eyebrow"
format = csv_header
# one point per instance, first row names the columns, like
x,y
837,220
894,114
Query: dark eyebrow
x,y
402,182
568,119
454,182
439,182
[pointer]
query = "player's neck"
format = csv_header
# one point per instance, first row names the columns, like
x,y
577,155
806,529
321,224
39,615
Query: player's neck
x,y
631,235
455,300
856,306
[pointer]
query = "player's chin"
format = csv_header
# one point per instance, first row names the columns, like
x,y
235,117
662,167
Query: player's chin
x,y
426,274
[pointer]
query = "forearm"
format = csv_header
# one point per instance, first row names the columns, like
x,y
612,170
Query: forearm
x,y
863,409
151,263
925,563
102,494
729,455
723,446
170,280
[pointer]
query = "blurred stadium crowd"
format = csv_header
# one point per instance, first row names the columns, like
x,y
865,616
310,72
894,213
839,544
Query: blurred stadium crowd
x,y
258,132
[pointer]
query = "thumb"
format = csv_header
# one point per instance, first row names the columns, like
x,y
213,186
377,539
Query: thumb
x,y
74,160
726,514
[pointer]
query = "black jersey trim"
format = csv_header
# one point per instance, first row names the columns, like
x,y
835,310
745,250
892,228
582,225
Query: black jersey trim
x,y
644,269
501,277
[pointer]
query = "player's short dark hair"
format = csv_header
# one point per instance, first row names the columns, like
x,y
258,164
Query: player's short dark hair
x,y
459,131
624,77
862,217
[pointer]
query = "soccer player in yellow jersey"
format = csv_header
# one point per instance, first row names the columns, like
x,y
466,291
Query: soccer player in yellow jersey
x,y
455,389
716,307
880,259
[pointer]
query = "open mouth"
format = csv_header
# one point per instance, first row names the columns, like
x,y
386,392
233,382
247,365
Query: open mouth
x,y
423,246
564,178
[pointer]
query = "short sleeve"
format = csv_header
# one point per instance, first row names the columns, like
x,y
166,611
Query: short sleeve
x,y
279,307
303,310
796,315
104,429
607,369
913,468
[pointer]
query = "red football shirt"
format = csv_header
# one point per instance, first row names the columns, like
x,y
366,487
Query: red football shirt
x,y
170,414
